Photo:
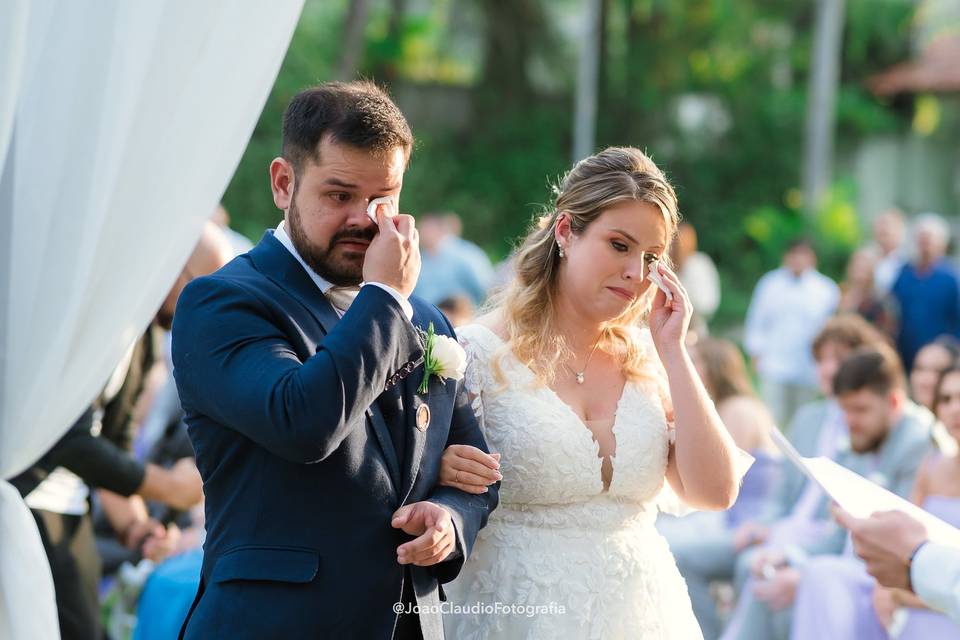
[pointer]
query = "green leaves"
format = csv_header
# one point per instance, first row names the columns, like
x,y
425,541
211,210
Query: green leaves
x,y
430,364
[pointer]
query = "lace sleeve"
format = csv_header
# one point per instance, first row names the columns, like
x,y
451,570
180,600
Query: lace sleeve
x,y
473,379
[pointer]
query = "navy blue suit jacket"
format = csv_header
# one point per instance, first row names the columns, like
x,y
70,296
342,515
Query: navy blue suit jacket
x,y
300,473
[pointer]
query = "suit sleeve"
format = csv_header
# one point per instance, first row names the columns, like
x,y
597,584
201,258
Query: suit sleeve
x,y
935,574
234,364
95,459
469,512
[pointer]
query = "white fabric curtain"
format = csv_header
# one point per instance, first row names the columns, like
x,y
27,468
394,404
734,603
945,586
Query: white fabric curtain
x,y
120,126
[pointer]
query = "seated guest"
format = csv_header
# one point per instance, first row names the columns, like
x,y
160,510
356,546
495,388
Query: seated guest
x,y
848,602
938,491
702,542
816,430
172,586
931,361
887,436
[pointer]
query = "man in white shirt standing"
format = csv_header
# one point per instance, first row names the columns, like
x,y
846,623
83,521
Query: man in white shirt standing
x,y
888,230
789,307
900,555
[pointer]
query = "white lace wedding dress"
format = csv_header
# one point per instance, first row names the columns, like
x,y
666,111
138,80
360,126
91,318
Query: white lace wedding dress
x,y
561,557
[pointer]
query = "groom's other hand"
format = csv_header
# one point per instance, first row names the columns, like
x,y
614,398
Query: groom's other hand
x,y
393,257
434,528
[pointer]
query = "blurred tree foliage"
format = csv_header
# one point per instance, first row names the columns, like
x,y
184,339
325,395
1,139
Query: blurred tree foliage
x,y
713,89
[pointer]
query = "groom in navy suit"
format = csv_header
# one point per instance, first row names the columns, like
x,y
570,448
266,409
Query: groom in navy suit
x,y
319,455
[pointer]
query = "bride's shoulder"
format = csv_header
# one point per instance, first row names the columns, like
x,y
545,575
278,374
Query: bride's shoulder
x,y
486,329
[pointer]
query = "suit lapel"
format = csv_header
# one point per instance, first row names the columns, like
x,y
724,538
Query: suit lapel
x,y
276,263
382,431
416,439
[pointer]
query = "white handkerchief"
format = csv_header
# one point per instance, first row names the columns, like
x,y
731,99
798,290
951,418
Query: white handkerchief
x,y
653,275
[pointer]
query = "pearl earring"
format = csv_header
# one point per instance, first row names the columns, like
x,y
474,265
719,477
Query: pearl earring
x,y
560,250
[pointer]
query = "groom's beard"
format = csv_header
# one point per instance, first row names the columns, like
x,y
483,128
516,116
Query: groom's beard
x,y
333,264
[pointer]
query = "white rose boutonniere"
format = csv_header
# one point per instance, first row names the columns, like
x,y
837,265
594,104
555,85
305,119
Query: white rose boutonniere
x,y
442,357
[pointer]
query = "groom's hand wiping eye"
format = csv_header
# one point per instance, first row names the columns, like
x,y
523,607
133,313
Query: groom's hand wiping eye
x,y
433,527
393,257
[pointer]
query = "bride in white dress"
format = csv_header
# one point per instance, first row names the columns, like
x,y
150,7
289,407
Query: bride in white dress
x,y
572,375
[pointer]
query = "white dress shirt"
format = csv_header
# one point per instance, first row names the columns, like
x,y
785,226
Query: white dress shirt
x,y
785,314
935,574
281,234
886,271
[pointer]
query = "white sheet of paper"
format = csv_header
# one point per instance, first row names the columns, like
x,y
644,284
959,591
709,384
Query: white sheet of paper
x,y
858,496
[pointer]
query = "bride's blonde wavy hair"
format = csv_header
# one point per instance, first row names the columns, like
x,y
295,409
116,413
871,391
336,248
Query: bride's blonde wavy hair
x,y
527,304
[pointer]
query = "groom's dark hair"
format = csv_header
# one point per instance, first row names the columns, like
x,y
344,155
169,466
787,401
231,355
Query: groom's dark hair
x,y
359,114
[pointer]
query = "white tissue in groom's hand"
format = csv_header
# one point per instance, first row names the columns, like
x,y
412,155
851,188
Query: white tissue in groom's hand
x,y
386,202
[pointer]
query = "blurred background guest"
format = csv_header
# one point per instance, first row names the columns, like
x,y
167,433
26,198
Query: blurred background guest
x,y
931,361
858,293
458,309
887,437
937,490
239,242
788,308
927,290
888,232
795,511
699,276
837,598
451,266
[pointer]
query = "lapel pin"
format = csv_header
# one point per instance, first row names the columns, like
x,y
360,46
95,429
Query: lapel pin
x,y
423,417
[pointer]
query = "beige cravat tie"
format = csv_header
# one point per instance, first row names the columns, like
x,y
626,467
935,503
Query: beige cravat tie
x,y
342,297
